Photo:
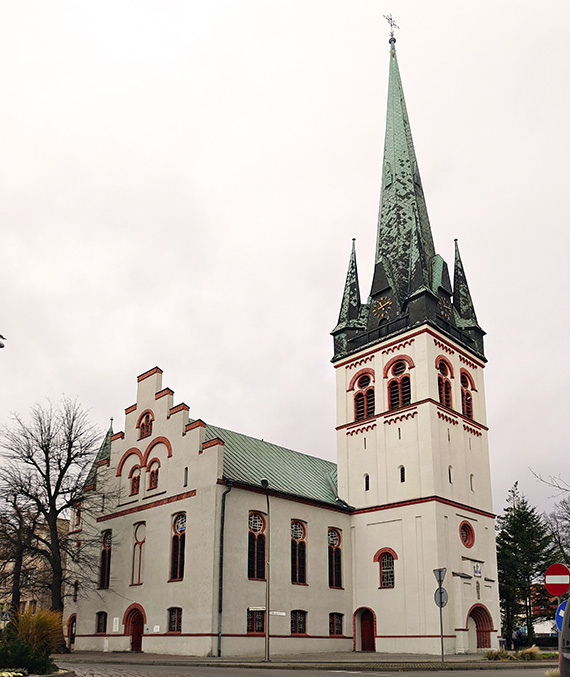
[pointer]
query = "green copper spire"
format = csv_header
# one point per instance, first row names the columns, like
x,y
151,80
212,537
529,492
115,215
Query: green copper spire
x,y
350,306
104,454
402,203
465,311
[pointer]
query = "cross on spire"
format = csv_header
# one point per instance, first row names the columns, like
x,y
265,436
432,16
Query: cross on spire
x,y
392,24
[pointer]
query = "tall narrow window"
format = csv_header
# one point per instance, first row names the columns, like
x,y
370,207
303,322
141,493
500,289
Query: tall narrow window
x,y
256,547
255,622
145,426
471,482
175,619
444,384
335,624
178,545
364,398
105,570
75,590
153,475
450,474
335,559
135,480
139,539
366,482
186,476
101,623
466,396
78,515
298,622
402,473
399,386
298,552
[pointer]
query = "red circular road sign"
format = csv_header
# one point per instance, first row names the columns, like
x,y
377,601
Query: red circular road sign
x,y
557,579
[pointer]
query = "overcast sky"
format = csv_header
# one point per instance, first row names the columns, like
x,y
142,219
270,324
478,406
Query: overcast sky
x,y
180,183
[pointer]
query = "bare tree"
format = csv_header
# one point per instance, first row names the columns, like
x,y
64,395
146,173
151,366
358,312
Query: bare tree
x,y
48,458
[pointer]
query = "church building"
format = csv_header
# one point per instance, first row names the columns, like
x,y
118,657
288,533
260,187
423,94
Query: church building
x,y
209,542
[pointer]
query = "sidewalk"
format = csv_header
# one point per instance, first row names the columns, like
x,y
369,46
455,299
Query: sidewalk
x,y
334,661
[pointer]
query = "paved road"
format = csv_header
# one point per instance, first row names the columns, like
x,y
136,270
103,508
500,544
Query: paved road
x,y
105,670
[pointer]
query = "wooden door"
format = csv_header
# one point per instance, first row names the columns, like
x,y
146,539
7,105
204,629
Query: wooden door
x,y
137,629
367,631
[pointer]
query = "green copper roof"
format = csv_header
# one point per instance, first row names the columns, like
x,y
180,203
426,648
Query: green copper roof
x,y
249,460
402,203
350,307
462,303
104,454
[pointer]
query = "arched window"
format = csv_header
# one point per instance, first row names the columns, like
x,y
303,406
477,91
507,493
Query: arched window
x,y
101,623
335,559
145,425
402,473
399,386
466,396
444,384
175,619
256,547
385,558
298,622
335,624
364,401
135,480
105,570
298,552
366,482
178,545
139,539
153,475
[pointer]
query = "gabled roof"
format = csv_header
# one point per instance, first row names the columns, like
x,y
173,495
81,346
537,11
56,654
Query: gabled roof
x,y
248,460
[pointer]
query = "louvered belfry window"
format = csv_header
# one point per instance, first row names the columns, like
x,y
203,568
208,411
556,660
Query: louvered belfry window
x,y
256,547
399,386
444,385
364,402
466,396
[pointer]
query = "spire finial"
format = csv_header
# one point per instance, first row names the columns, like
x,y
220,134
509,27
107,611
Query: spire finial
x,y
393,25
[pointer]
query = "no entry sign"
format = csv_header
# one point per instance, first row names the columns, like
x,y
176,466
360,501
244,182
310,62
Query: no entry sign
x,y
557,579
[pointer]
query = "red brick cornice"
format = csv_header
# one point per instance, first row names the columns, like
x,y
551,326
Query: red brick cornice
x,y
150,372
154,504
427,499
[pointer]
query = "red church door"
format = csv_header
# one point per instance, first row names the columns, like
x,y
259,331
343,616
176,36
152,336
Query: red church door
x,y
136,629
367,631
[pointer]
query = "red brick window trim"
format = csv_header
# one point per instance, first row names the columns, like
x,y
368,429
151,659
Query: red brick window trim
x,y
335,624
298,622
335,558
255,622
256,547
298,552
178,547
399,385
467,534
105,569
144,424
174,620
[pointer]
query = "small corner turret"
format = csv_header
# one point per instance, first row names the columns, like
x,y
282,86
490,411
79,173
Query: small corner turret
x,y
411,284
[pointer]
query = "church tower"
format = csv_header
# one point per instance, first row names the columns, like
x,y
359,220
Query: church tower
x,y
413,458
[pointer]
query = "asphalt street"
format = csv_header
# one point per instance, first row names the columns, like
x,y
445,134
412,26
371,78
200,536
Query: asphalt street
x,y
106,670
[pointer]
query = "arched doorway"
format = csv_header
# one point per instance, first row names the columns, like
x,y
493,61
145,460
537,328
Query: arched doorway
x,y
364,630
479,627
71,629
134,620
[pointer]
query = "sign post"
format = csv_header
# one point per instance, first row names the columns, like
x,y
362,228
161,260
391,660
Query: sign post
x,y
441,597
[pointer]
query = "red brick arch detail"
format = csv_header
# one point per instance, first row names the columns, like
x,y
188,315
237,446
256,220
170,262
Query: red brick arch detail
x,y
144,413
398,358
157,440
441,358
354,379
354,616
151,462
380,552
469,378
129,452
483,624
133,607
135,467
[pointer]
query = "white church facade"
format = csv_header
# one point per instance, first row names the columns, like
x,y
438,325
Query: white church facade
x,y
197,528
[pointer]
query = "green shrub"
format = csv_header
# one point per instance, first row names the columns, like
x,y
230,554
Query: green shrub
x,y
531,653
16,653
555,672
500,655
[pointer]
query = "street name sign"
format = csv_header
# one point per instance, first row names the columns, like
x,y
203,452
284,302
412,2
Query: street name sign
x,y
557,579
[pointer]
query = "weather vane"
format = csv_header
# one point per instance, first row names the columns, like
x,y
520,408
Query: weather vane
x,y
392,23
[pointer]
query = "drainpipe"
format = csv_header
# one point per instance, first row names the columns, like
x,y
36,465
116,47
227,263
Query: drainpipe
x,y
221,567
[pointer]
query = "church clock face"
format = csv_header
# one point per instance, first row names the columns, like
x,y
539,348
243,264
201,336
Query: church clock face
x,y
444,307
381,307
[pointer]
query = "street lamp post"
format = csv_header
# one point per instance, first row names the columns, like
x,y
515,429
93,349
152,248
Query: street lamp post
x,y
265,485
